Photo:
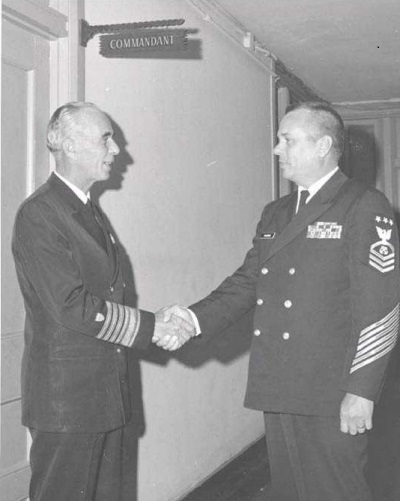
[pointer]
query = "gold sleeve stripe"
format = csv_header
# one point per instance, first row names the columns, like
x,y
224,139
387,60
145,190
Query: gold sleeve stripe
x,y
377,340
107,329
131,326
121,324
112,331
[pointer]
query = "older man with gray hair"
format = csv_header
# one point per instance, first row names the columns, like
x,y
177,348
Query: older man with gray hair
x,y
75,386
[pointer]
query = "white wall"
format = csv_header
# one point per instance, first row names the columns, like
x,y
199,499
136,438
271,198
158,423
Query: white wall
x,y
198,132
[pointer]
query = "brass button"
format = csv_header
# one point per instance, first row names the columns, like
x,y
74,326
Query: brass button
x,y
292,271
288,303
286,335
111,289
260,301
257,332
118,350
264,271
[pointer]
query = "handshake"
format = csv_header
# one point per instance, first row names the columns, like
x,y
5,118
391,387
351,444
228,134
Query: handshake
x,y
174,326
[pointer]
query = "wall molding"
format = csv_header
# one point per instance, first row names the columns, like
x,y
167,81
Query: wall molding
x,y
19,468
224,21
213,13
67,73
299,91
369,109
38,19
6,336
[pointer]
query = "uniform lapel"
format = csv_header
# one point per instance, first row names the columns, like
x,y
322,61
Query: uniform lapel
x,y
284,213
319,204
73,205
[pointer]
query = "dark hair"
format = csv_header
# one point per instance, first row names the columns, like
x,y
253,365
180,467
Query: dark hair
x,y
324,120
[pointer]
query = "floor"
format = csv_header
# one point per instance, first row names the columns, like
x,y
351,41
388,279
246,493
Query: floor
x,y
244,479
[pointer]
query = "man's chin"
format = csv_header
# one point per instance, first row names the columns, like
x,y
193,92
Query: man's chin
x,y
106,172
285,173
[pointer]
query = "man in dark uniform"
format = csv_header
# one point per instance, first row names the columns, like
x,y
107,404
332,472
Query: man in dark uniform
x,y
75,385
323,277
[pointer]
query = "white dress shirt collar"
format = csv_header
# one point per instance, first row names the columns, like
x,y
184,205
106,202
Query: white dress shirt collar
x,y
78,192
314,188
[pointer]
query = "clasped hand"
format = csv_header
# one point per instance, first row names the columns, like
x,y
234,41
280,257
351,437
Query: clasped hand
x,y
173,328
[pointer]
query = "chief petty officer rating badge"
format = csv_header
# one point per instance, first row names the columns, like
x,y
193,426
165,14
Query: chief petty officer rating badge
x,y
381,253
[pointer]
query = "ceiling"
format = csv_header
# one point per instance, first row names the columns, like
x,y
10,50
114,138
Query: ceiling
x,y
343,50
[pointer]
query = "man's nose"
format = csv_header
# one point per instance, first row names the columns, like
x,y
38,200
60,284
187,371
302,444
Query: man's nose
x,y
277,149
114,148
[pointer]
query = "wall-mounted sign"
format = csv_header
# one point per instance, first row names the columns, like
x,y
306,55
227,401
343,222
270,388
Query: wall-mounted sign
x,y
144,43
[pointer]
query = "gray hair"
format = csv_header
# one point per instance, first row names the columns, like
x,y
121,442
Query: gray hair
x,y
62,122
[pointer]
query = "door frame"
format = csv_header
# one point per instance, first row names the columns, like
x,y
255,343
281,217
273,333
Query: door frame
x,y
57,23
386,117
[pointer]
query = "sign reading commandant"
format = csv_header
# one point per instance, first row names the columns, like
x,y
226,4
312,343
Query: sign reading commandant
x,y
144,43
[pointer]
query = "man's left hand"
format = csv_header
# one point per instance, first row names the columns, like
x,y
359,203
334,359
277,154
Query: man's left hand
x,y
355,414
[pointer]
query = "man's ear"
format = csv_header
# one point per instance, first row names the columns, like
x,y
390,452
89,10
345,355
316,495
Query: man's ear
x,y
324,145
69,147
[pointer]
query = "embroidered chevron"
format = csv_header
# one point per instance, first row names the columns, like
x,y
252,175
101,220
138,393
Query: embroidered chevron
x,y
121,324
382,253
380,261
376,340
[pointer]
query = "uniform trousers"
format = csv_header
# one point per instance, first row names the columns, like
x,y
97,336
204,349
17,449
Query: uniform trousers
x,y
312,460
83,467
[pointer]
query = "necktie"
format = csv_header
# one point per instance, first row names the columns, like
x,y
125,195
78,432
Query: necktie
x,y
95,224
303,197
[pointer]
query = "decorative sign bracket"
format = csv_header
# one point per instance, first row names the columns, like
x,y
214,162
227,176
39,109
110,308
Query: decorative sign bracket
x,y
88,31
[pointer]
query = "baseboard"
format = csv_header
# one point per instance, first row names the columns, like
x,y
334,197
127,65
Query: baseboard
x,y
248,471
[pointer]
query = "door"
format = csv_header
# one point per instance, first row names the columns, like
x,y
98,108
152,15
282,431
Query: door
x,y
25,165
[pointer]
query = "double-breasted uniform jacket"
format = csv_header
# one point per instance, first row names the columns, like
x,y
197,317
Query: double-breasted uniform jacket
x,y
325,288
77,330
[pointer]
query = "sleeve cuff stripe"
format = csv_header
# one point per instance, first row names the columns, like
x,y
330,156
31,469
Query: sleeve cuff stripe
x,y
106,330
371,335
125,314
393,314
120,311
121,325
365,343
113,313
375,349
372,359
377,340
131,327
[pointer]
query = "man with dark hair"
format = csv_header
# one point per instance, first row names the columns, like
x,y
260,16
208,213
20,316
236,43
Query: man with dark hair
x,y
75,385
322,277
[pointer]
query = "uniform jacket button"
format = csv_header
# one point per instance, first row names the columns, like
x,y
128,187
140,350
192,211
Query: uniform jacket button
x,y
264,271
257,332
288,303
260,301
118,350
111,289
292,271
286,335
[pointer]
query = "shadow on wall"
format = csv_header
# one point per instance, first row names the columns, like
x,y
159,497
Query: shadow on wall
x,y
231,344
136,428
